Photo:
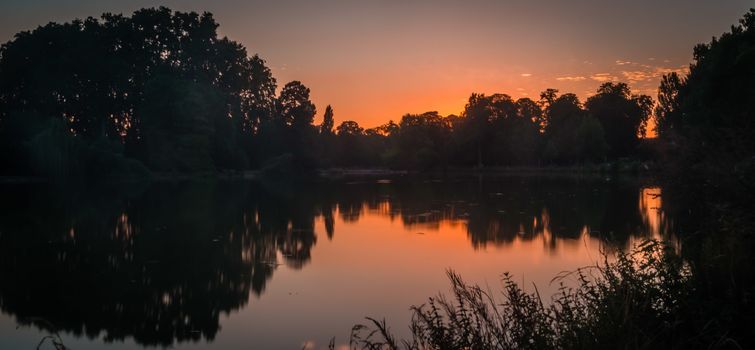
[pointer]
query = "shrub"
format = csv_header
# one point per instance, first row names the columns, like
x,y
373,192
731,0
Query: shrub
x,y
637,300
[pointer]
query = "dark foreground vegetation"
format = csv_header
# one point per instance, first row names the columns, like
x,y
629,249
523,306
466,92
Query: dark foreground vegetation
x,y
633,303
121,97
654,298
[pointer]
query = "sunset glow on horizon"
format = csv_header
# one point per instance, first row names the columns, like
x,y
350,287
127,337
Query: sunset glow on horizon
x,y
376,61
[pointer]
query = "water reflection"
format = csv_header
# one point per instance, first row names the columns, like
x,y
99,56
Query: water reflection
x,y
499,211
161,264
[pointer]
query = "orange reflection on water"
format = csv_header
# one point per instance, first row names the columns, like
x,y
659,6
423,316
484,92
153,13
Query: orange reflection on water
x,y
378,265
313,262
650,209
654,219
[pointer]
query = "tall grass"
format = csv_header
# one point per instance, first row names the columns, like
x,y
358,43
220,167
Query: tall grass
x,y
637,301
53,338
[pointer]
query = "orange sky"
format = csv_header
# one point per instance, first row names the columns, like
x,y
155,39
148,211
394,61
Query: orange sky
x,y
374,97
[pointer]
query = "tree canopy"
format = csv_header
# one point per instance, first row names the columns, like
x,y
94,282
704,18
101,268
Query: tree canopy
x,y
114,77
707,114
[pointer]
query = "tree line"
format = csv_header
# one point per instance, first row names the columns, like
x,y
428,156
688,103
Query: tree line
x,y
497,130
161,91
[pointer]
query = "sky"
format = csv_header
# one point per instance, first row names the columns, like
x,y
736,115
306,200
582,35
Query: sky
x,y
375,61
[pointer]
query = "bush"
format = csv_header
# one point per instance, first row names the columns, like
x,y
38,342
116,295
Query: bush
x,y
637,301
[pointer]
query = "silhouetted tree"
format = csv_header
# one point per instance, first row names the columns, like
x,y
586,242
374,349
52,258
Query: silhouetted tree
x,y
257,95
667,110
349,128
91,76
326,139
348,143
296,110
423,140
326,128
590,140
622,115
706,116
178,125
474,133
530,110
297,113
388,129
570,133
524,137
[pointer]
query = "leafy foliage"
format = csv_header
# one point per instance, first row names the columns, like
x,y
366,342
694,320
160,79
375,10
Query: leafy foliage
x,y
102,84
622,115
706,116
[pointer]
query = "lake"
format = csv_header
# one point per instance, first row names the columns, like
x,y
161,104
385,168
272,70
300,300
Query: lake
x,y
255,265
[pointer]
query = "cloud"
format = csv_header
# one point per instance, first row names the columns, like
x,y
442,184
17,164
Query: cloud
x,y
651,73
603,77
637,75
526,75
622,63
576,78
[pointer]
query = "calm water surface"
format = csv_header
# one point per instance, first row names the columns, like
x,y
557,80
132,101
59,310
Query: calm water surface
x,y
242,265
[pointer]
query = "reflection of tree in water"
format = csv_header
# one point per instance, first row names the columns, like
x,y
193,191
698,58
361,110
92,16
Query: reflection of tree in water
x,y
498,211
161,264
159,267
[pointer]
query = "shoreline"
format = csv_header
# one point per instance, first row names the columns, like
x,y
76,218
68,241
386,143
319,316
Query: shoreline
x,y
608,169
